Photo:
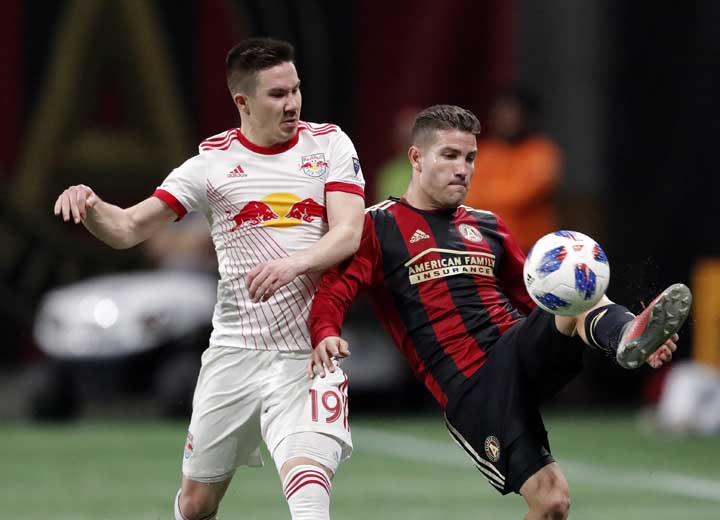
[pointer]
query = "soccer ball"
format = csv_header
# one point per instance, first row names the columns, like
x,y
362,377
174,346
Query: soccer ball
x,y
566,273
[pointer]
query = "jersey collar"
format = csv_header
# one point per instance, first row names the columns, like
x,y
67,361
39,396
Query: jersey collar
x,y
267,150
404,202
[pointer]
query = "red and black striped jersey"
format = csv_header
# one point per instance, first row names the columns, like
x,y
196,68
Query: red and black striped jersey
x,y
445,284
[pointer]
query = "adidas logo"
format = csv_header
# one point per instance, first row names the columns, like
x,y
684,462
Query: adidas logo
x,y
237,172
418,236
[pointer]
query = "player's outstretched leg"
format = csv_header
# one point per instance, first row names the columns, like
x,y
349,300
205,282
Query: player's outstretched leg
x,y
630,339
654,326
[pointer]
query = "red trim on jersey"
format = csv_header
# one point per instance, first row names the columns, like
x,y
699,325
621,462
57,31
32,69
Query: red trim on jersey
x,y
437,300
346,187
268,150
493,300
169,199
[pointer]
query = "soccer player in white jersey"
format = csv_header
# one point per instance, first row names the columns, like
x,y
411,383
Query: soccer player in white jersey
x,y
284,201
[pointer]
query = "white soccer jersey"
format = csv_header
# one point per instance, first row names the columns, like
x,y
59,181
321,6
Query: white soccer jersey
x,y
261,204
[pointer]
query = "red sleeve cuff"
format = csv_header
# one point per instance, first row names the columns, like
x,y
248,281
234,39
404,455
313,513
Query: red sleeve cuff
x,y
169,199
322,332
346,187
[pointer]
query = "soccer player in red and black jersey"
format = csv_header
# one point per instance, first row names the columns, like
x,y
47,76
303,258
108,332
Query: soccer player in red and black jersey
x,y
447,284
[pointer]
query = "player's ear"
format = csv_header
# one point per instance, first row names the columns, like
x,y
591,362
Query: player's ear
x,y
241,103
415,156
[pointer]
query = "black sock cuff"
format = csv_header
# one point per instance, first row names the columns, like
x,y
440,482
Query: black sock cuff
x,y
604,325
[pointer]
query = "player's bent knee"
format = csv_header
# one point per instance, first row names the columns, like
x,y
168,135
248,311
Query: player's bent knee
x,y
194,507
199,500
556,506
547,493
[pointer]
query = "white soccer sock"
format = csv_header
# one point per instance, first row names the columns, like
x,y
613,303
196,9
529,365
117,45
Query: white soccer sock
x,y
180,516
307,490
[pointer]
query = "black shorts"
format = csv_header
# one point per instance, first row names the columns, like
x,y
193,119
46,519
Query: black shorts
x,y
497,419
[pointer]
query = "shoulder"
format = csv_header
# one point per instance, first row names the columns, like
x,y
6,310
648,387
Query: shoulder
x,y
193,166
382,212
479,212
483,216
327,134
380,208
219,142
318,129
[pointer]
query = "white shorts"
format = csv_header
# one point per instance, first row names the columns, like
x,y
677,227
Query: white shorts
x,y
244,396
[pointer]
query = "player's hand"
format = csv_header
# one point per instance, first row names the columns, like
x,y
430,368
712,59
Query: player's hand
x,y
332,347
664,353
266,278
74,203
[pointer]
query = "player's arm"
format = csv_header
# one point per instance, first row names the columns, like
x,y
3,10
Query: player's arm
x,y
511,271
337,290
117,227
345,215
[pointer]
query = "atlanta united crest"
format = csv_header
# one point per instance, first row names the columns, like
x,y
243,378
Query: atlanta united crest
x,y
470,233
314,165
492,448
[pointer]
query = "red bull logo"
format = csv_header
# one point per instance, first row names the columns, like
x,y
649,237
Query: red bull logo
x,y
268,211
314,165
306,210
254,212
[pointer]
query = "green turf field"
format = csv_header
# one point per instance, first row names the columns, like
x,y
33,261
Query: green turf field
x,y
401,469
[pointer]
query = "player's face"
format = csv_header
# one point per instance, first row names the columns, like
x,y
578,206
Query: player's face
x,y
446,167
273,109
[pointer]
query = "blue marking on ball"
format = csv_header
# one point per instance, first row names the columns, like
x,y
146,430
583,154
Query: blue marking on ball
x,y
550,301
585,281
551,261
566,234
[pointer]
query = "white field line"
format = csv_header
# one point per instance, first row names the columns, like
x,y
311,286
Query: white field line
x,y
415,449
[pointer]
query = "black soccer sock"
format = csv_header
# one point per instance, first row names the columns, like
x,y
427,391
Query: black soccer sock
x,y
604,326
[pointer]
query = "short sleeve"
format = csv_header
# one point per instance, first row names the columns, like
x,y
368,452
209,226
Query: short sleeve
x,y
345,171
184,189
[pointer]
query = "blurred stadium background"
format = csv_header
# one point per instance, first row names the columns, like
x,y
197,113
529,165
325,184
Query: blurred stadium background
x,y
115,93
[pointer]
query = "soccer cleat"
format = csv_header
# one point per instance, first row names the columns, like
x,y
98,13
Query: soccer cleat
x,y
654,326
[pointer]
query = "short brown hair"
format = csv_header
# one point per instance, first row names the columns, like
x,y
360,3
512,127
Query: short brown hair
x,y
250,56
443,117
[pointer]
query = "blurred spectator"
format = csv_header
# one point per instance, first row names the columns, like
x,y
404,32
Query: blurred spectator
x,y
517,169
393,177
690,400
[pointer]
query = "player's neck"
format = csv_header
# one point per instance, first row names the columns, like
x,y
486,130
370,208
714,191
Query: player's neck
x,y
418,199
259,138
